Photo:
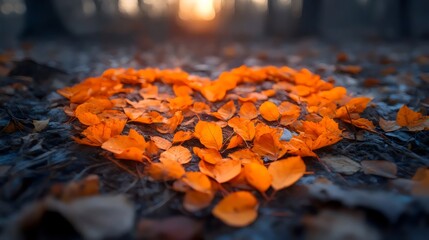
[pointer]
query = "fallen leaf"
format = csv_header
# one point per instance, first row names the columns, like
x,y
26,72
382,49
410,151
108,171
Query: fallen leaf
x,y
161,143
235,141
166,170
286,172
238,209
248,111
380,168
210,134
195,201
414,121
243,127
269,111
222,171
197,181
388,126
40,125
209,155
130,147
226,111
182,136
258,176
246,156
269,146
341,164
177,153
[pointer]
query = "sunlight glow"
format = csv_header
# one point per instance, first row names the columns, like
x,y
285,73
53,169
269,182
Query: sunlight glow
x,y
202,10
261,5
129,7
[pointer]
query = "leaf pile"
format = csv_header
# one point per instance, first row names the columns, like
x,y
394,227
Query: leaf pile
x,y
252,141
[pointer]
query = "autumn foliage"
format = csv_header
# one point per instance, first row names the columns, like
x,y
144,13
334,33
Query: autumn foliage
x,y
236,128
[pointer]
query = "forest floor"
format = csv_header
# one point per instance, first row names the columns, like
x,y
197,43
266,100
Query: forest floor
x,y
343,201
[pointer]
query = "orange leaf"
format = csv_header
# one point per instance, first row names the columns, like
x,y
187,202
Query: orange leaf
x,y
177,153
165,170
226,111
97,134
246,156
269,111
411,119
171,124
243,127
238,209
197,181
200,107
321,134
289,113
222,171
181,136
141,116
180,103
210,134
248,111
161,143
150,91
235,141
209,155
87,112
258,176
182,90
195,201
129,147
286,172
297,146
269,146
355,105
362,123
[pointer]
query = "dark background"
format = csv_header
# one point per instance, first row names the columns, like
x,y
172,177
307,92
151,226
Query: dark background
x,y
240,19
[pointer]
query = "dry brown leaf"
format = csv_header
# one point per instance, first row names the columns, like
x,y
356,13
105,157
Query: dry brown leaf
x,y
380,168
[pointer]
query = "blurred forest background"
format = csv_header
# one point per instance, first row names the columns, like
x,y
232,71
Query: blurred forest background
x,y
243,19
